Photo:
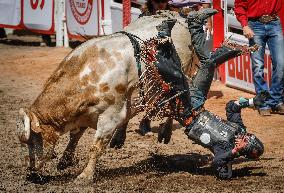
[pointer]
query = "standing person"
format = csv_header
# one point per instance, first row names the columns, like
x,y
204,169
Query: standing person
x,y
261,25
193,5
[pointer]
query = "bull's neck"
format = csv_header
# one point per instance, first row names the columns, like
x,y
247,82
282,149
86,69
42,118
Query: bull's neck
x,y
47,119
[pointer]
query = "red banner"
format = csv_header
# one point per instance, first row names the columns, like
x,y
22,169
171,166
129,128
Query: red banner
x,y
38,15
239,72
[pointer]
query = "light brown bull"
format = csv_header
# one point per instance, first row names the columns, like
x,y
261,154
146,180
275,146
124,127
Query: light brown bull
x,y
91,88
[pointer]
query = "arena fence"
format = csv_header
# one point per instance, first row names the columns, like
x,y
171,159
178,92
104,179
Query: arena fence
x,y
77,18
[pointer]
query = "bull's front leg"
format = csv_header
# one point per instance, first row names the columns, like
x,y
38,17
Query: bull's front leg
x,y
67,158
119,137
37,157
108,121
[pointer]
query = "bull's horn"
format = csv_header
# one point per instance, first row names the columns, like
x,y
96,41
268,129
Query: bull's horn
x,y
23,126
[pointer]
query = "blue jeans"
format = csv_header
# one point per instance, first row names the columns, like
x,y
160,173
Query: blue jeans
x,y
272,35
197,97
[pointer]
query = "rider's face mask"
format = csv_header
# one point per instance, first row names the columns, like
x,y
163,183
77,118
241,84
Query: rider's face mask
x,y
254,149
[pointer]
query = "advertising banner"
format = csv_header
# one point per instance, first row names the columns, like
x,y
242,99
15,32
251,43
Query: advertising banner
x,y
82,18
38,15
10,13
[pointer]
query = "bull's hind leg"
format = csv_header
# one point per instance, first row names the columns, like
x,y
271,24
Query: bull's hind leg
x,y
108,121
67,158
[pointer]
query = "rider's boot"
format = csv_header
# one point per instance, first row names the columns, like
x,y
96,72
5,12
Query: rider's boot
x,y
196,21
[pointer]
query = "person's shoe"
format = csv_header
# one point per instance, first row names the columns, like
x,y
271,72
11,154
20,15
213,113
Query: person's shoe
x,y
201,15
264,112
279,109
42,44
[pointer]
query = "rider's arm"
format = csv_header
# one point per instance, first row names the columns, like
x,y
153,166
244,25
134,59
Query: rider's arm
x,y
225,152
233,108
233,113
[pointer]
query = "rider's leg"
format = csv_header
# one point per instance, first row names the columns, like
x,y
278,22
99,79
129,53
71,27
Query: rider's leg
x,y
204,76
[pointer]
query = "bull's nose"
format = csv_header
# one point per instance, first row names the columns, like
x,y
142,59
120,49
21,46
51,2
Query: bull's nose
x,y
25,158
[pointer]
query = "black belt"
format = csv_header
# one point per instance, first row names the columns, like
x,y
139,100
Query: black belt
x,y
265,18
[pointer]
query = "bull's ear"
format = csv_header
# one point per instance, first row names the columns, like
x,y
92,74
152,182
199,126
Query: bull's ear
x,y
23,126
35,125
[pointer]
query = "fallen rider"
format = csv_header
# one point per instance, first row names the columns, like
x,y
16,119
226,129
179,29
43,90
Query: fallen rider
x,y
227,139
224,139
208,62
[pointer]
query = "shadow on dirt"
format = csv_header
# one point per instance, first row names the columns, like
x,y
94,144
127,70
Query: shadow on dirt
x,y
44,179
157,165
193,163
248,171
16,42
162,165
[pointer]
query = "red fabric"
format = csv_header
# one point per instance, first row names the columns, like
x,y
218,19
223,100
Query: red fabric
x,y
245,9
126,12
218,36
281,14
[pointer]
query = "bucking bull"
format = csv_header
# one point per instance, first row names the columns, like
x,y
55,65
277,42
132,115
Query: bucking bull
x,y
92,87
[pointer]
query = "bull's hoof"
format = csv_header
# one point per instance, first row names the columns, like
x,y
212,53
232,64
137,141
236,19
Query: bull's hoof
x,y
65,163
36,178
118,139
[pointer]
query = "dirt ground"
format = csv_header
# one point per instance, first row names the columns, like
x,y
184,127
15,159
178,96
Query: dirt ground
x,y
142,165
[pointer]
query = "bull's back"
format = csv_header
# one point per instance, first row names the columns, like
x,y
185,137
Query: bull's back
x,y
93,75
180,36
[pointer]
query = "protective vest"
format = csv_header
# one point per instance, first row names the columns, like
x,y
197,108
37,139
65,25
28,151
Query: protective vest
x,y
208,129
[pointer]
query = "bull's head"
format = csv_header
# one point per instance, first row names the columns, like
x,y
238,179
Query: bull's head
x,y
26,124
30,133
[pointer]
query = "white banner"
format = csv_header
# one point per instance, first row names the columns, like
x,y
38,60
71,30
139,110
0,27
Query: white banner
x,y
10,13
239,70
82,17
38,15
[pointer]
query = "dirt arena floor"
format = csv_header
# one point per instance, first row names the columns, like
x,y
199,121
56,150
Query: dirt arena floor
x,y
142,165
